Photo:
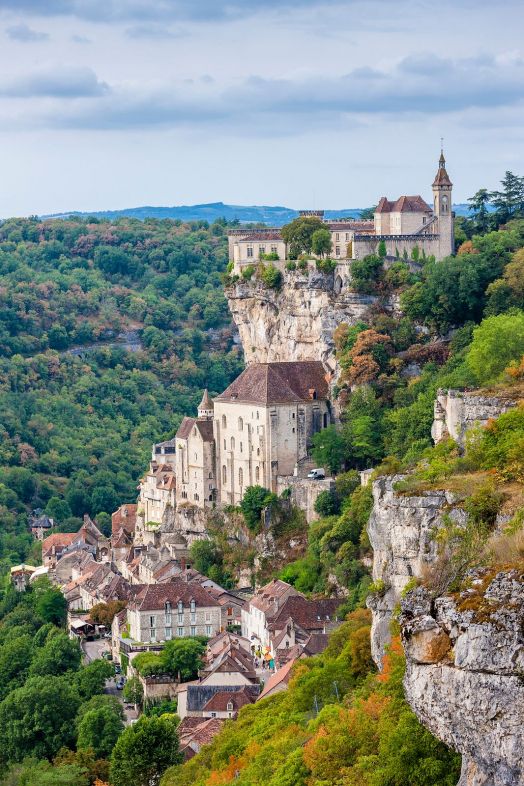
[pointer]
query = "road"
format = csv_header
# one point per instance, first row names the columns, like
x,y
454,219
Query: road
x,y
130,714
94,649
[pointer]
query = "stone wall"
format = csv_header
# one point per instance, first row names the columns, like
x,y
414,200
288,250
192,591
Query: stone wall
x,y
456,412
465,660
304,492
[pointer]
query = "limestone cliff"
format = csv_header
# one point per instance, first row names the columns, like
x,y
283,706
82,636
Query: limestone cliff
x,y
401,531
456,412
464,676
296,322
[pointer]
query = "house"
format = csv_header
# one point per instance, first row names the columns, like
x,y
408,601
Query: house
x,y
193,698
232,666
160,612
193,733
263,424
264,605
278,681
195,458
54,546
226,704
21,576
40,524
92,586
88,538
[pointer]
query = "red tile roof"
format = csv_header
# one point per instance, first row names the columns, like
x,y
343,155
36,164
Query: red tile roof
x,y
154,596
125,517
404,204
205,428
219,702
273,383
59,540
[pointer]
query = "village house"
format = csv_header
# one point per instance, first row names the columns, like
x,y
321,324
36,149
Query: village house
x,y
264,604
40,524
194,700
195,458
21,576
161,612
193,733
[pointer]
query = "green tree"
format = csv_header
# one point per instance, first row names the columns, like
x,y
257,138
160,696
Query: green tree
x,y
38,718
255,499
496,342
32,772
321,242
382,250
204,554
509,201
298,235
144,751
133,691
183,657
479,206
51,605
91,679
99,729
59,654
15,658
327,503
329,449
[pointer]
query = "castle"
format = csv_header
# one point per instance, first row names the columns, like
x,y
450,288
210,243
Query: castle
x,y
402,225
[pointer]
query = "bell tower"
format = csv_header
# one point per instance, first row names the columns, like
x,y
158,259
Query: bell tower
x,y
442,202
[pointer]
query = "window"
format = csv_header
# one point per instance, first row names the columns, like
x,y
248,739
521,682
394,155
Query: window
x,y
193,630
250,251
232,443
180,607
208,616
258,451
240,477
152,621
208,630
293,416
257,473
337,251
196,497
229,611
225,444
261,250
229,706
192,606
274,250
337,236
196,456
241,447
213,714
152,634
224,421
347,236
240,424
224,474
180,631
258,415
180,619
168,634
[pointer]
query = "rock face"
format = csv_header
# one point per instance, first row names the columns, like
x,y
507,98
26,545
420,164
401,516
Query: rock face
x,y
401,531
465,662
456,412
297,322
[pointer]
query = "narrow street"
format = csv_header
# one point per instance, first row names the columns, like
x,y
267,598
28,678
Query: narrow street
x,y
92,651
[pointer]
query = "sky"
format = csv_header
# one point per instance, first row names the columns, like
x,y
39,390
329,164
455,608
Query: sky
x,y
110,104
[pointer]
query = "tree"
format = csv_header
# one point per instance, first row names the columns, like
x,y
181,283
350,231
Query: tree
x,y
321,242
104,613
91,679
144,751
329,449
38,718
497,341
42,773
327,503
509,201
15,657
183,657
58,509
99,729
50,604
382,250
204,554
479,206
298,235
99,701
255,499
133,691
58,655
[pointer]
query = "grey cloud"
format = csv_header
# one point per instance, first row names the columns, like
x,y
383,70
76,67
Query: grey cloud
x,y
24,33
57,83
411,87
80,39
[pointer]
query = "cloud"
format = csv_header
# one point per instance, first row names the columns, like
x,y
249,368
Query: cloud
x,y
154,10
55,83
80,39
24,33
156,32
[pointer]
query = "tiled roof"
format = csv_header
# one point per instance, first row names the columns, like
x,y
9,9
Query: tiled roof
x,y
125,517
206,402
266,597
404,204
258,235
309,614
205,427
198,730
272,383
184,430
219,702
59,540
154,596
350,226
442,177
199,695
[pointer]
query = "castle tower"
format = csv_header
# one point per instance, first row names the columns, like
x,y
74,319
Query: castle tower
x,y
442,201
205,408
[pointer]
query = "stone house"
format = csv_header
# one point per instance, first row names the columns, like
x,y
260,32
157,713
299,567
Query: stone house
x,y
160,612
263,424
21,575
193,733
195,458
264,604
193,698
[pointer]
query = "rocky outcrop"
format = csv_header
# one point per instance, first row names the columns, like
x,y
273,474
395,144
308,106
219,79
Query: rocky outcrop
x,y
456,412
401,530
464,673
296,322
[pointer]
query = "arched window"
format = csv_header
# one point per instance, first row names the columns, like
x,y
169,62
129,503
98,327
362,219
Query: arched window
x,y
232,443
240,424
224,474
224,421
257,473
193,607
240,477
444,204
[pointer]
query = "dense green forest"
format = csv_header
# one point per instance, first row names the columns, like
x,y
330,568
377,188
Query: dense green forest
x,y
79,408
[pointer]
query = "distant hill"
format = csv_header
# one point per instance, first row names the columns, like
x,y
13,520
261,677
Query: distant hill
x,y
246,214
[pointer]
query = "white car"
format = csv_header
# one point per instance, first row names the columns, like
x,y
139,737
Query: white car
x,y
316,474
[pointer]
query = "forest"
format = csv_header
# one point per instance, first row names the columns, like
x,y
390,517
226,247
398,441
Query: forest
x,y
79,407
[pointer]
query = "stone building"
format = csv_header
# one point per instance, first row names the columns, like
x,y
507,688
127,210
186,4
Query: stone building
x,y
263,424
195,458
401,224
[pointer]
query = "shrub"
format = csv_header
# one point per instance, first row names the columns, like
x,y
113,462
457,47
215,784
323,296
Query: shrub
x,y
271,276
326,264
290,265
497,341
271,257
248,272
366,273
302,264
327,503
